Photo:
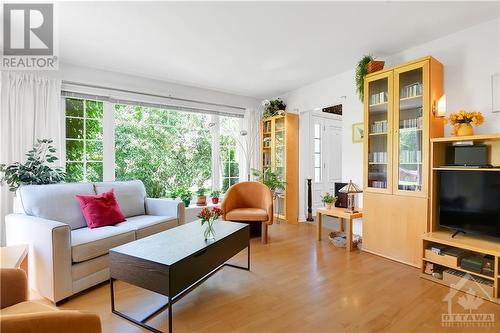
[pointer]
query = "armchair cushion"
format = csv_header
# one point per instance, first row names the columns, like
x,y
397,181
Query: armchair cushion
x,y
146,225
13,287
27,307
89,243
247,214
130,195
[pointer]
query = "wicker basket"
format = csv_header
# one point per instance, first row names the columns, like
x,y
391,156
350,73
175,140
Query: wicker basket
x,y
375,66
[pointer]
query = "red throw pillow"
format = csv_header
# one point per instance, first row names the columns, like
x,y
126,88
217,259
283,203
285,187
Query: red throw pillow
x,y
100,210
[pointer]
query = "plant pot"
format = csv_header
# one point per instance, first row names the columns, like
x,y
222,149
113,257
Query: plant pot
x,y
328,205
464,129
201,200
215,201
186,202
375,66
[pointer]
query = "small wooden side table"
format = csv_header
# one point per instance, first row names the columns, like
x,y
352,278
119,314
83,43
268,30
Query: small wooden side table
x,y
14,257
342,215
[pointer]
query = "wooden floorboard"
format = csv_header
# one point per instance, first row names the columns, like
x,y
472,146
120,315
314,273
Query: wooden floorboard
x,y
295,285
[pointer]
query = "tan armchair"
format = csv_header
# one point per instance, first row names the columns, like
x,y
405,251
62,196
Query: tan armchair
x,y
249,202
17,314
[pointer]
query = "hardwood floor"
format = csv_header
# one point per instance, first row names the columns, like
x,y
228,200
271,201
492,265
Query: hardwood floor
x,y
296,284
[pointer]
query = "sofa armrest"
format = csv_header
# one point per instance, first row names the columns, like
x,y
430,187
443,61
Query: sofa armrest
x,y
49,254
164,207
52,321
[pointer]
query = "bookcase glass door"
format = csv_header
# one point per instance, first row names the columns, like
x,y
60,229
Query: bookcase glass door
x,y
378,133
410,132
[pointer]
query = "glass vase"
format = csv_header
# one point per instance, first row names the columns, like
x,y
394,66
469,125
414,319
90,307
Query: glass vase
x,y
209,230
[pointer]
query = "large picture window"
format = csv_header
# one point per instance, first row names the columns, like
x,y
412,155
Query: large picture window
x,y
229,128
84,141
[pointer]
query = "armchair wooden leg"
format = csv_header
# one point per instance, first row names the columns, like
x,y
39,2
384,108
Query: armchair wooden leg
x,y
264,233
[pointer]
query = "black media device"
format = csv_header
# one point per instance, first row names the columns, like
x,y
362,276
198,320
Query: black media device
x,y
341,197
469,201
476,156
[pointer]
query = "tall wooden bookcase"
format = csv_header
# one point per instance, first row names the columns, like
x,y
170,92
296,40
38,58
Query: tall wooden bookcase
x,y
279,148
399,123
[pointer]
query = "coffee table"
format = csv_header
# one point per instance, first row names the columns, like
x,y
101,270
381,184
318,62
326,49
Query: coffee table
x,y
174,262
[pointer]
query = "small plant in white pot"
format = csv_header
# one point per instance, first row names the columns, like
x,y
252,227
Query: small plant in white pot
x,y
328,200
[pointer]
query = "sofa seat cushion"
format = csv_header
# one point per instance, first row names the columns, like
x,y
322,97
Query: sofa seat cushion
x,y
246,214
89,243
147,225
27,307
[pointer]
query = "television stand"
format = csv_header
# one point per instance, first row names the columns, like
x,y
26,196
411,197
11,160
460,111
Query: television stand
x,y
457,232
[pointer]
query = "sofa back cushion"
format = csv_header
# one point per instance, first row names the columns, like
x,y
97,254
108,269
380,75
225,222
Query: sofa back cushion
x,y
55,202
130,195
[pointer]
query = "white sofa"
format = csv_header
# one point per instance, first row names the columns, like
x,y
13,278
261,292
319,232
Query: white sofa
x,y
65,256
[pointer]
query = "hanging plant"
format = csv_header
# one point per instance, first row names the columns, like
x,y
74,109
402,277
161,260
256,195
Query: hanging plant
x,y
361,71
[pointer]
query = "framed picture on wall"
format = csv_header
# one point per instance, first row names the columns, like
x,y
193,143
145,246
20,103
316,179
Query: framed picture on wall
x,y
495,92
357,132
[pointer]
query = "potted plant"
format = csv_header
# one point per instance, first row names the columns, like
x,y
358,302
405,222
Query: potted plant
x,y
270,179
201,199
328,200
462,122
215,194
273,108
186,196
174,193
365,66
36,170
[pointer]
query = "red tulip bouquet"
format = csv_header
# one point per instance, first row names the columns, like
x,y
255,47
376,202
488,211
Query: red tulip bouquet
x,y
209,216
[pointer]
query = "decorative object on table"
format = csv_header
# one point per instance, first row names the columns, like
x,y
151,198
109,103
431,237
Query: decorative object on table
x,y
309,201
341,201
429,268
186,196
274,107
365,66
462,122
215,195
208,217
37,169
201,199
495,92
351,189
328,200
357,132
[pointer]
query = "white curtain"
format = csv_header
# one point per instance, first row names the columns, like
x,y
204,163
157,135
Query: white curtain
x,y
250,143
29,110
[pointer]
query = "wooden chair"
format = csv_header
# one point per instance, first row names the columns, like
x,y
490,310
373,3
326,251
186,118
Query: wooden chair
x,y
249,202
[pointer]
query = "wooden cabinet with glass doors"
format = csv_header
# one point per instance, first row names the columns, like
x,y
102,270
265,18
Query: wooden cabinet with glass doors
x,y
279,154
399,123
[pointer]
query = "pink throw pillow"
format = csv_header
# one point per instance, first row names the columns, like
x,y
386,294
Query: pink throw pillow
x,y
100,210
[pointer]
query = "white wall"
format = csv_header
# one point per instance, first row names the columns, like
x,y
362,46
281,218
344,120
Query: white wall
x,y
469,57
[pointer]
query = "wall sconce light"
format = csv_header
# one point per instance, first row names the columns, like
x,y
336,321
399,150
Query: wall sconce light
x,y
439,108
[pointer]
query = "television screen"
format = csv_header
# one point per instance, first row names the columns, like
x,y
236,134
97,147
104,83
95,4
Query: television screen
x,y
469,201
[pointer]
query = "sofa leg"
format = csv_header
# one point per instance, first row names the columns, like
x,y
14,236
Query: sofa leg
x,y
264,233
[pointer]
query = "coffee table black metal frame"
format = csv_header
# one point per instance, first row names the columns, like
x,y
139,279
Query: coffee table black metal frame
x,y
171,300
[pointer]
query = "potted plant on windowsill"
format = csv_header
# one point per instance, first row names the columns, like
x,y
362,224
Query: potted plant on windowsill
x,y
202,198
328,200
215,194
186,196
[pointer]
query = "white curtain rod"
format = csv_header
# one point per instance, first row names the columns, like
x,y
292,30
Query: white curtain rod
x,y
152,95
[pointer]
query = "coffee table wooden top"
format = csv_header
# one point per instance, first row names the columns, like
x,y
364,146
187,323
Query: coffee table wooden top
x,y
170,246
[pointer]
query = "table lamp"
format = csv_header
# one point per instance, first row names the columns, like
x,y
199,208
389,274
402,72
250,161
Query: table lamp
x,y
351,189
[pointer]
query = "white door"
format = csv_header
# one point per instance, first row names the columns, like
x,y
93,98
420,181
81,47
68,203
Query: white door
x,y
327,156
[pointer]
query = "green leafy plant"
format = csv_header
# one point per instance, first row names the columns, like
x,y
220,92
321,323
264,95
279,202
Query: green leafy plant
x,y
175,193
270,179
186,196
215,193
36,170
273,107
201,192
361,71
328,198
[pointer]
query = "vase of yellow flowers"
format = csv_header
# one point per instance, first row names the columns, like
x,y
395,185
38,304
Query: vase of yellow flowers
x,y
462,122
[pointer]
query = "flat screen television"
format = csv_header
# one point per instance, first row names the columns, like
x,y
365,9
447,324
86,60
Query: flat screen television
x,y
469,201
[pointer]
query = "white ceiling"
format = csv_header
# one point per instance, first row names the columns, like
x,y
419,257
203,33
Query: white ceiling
x,y
254,49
